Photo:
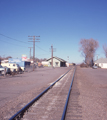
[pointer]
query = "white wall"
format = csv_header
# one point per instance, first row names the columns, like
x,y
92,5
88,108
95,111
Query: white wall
x,y
103,65
45,63
67,64
54,62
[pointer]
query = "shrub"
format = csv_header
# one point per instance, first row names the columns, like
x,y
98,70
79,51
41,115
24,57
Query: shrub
x,y
83,65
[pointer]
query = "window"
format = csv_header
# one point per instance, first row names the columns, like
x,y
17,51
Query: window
x,y
17,65
56,63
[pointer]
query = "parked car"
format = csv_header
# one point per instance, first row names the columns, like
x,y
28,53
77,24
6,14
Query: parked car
x,y
95,67
7,70
40,65
2,70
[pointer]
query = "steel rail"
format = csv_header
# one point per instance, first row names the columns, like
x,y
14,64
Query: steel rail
x,y
21,112
67,100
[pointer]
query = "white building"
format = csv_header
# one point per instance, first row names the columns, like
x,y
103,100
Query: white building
x,y
44,63
102,62
57,62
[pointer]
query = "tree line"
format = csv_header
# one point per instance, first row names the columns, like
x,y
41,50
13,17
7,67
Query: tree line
x,y
5,58
36,59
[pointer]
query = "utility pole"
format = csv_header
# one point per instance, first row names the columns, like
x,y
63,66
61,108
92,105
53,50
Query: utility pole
x,y
52,55
33,37
52,50
30,51
68,59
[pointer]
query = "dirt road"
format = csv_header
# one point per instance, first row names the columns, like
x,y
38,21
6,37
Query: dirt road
x,y
92,87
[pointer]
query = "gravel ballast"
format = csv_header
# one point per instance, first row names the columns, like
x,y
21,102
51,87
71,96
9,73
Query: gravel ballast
x,y
17,91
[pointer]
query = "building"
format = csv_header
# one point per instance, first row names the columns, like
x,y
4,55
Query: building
x,y
102,62
57,62
22,64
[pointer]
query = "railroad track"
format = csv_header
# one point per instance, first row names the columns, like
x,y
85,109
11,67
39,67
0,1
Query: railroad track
x,y
53,103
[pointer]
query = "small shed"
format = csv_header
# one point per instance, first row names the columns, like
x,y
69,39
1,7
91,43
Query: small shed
x,y
57,62
102,62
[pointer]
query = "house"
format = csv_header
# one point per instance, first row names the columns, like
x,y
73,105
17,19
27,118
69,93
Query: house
x,y
102,62
57,62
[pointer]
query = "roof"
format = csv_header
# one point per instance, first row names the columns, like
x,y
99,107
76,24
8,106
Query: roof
x,y
101,60
57,59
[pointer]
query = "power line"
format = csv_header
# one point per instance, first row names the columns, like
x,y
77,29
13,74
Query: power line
x,y
42,54
41,48
13,38
11,43
20,41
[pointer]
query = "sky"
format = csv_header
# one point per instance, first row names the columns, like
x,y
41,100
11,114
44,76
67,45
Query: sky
x,y
61,23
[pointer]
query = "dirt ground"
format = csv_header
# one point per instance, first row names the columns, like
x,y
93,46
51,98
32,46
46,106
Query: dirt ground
x,y
92,85
17,91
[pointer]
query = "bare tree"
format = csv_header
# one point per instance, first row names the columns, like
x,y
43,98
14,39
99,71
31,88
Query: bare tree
x,y
5,58
88,48
8,57
105,50
38,59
